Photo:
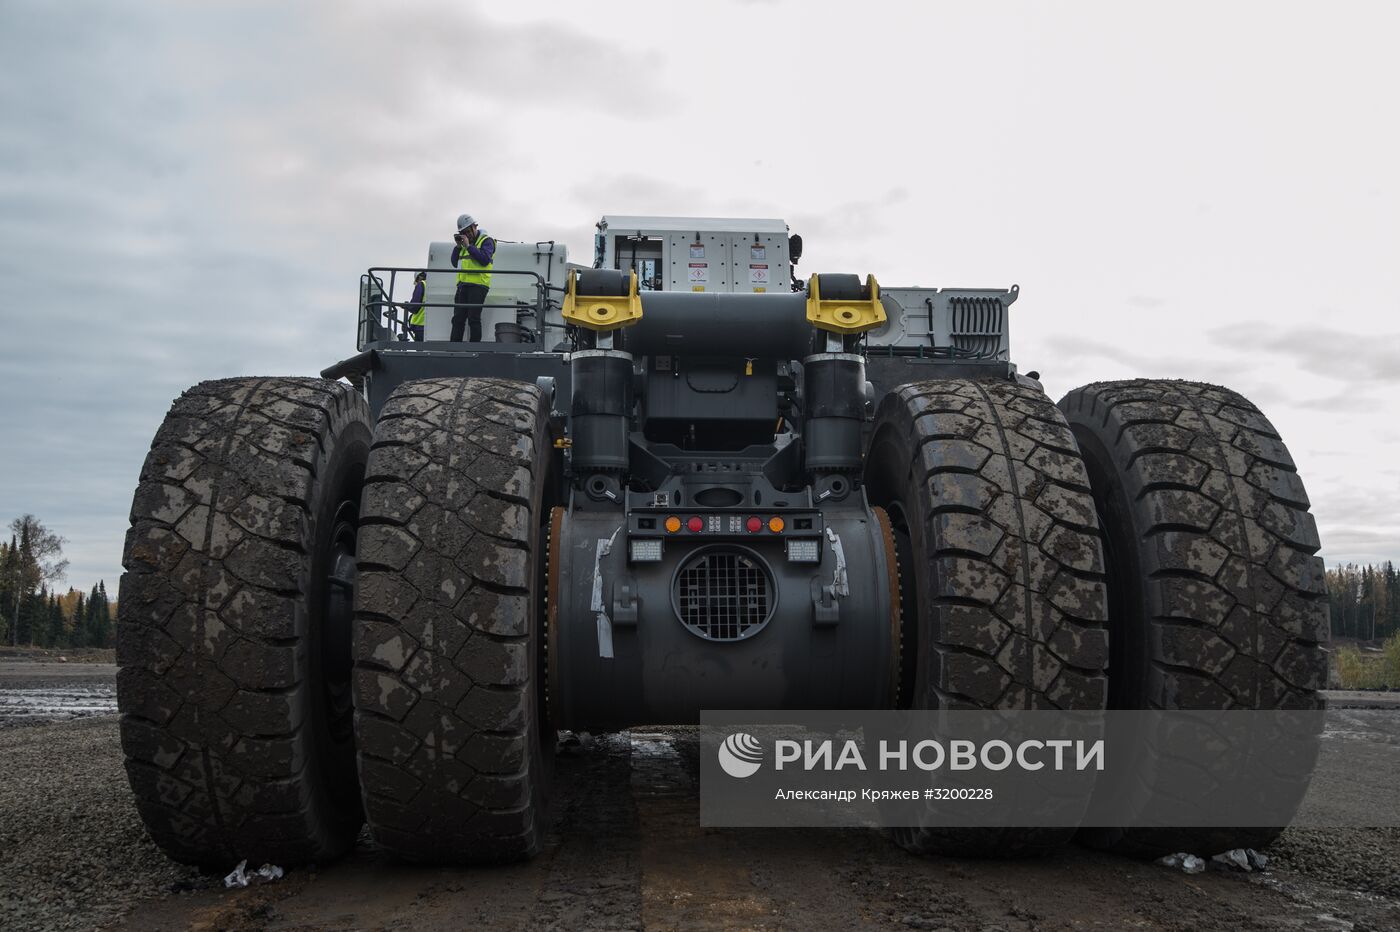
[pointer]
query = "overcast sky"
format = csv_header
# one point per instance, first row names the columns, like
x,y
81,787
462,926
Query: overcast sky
x,y
1204,191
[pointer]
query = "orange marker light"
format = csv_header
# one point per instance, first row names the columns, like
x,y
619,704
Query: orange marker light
x,y
673,524
776,524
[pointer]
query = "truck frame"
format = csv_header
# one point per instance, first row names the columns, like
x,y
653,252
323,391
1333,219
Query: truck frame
x,y
682,479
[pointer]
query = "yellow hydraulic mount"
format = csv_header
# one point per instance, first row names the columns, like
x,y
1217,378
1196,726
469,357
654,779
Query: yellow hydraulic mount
x,y
602,312
841,315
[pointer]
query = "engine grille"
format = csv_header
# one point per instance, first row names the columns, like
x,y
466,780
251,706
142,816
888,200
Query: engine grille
x,y
723,595
977,326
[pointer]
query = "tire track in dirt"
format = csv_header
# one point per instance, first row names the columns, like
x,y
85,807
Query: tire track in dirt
x,y
708,878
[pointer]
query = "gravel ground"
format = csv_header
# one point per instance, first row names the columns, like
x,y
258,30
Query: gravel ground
x,y
73,853
1362,859
626,851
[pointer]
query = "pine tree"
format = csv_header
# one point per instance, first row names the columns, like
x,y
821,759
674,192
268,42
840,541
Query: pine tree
x,y
1392,599
33,560
1366,605
9,590
80,613
88,629
99,621
1342,585
51,636
39,630
105,630
58,633
31,617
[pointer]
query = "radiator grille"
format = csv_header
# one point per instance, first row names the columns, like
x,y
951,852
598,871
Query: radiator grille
x,y
723,595
977,326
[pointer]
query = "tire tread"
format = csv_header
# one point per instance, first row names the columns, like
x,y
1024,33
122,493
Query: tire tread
x,y
1013,591
211,622
443,677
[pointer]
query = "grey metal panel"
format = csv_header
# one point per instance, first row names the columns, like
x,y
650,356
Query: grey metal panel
x,y
649,669
958,321
761,263
618,223
704,254
718,390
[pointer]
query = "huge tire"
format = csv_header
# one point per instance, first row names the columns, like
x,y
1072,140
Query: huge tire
x,y
1217,598
995,525
233,635
455,751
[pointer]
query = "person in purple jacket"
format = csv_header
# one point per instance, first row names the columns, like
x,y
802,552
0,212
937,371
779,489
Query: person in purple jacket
x,y
473,256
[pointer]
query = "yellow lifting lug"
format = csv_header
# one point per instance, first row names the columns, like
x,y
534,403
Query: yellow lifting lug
x,y
601,312
845,315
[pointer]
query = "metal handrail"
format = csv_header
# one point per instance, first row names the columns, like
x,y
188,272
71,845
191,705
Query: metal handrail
x,y
377,302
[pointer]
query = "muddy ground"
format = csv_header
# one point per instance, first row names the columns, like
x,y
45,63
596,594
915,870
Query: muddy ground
x,y
55,691
626,852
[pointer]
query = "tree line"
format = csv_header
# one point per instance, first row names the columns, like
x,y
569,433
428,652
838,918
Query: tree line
x,y
32,611
1364,601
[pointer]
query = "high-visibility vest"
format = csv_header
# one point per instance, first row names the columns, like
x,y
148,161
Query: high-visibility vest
x,y
473,272
420,294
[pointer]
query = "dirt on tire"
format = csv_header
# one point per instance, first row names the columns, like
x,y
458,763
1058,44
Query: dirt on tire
x,y
448,690
224,725
984,481
1217,595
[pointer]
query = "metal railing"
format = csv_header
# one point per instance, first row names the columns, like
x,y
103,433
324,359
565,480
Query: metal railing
x,y
385,317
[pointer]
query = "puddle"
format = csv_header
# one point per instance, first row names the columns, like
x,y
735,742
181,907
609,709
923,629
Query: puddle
x,y
56,703
658,769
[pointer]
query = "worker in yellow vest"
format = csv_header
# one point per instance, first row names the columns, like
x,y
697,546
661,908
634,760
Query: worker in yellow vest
x,y
472,256
416,318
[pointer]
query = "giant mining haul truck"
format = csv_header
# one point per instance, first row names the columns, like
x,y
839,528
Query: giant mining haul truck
x,y
679,479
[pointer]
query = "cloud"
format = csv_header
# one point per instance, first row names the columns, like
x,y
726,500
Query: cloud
x,y
1073,349
1350,545
851,220
190,191
1358,520
1342,404
1080,358
1352,357
629,192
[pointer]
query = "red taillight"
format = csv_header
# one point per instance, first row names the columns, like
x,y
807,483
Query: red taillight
x,y
695,525
755,525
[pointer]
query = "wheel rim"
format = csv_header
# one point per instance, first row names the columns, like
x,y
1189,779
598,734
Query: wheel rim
x,y
895,575
908,649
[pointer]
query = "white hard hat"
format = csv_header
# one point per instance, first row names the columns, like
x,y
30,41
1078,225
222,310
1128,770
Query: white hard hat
x,y
465,221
